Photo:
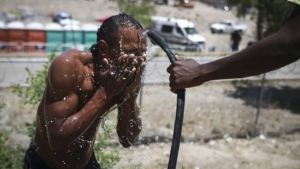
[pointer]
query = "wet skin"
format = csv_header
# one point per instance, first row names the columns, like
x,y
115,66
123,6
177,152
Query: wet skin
x,y
79,90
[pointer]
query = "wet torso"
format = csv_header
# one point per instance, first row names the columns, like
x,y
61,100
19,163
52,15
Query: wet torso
x,y
78,153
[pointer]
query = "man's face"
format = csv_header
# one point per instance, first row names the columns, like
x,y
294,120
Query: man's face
x,y
131,41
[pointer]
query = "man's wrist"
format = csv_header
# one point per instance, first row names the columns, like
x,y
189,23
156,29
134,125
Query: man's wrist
x,y
103,95
206,73
128,98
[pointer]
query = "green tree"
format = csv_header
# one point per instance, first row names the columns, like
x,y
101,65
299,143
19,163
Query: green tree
x,y
33,94
269,15
141,10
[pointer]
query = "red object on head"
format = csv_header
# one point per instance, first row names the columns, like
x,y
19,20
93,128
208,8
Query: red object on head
x,y
102,19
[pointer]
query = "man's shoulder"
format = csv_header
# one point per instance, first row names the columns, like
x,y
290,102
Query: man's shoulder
x,y
72,56
71,62
64,68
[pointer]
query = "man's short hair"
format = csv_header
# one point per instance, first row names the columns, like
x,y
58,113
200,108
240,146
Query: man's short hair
x,y
110,26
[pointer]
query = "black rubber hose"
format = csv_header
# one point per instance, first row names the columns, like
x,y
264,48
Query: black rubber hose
x,y
179,107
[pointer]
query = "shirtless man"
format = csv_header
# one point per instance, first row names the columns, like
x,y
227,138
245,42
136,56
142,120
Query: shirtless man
x,y
80,88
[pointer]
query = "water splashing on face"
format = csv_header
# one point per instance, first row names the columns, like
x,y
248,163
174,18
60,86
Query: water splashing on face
x,y
120,42
149,49
149,45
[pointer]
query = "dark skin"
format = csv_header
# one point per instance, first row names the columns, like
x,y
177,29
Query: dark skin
x,y
80,89
273,52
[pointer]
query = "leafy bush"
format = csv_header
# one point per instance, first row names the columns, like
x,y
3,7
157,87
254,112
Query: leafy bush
x,y
2,105
108,160
10,157
33,93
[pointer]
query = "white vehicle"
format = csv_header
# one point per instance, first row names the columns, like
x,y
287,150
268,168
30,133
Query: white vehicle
x,y
227,26
64,19
178,33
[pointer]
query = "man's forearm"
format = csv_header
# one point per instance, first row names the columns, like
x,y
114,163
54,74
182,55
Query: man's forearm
x,y
271,53
75,125
129,122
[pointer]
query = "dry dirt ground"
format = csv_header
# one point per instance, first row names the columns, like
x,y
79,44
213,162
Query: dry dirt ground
x,y
219,110
212,111
272,153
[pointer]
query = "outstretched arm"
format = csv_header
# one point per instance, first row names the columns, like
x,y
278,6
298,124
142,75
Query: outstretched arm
x,y
273,52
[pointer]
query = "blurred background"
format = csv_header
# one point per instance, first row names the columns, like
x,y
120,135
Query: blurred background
x,y
236,123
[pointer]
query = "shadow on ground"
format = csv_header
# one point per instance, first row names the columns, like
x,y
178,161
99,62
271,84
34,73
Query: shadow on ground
x,y
273,96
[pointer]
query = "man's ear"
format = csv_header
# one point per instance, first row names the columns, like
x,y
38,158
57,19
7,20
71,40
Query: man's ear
x,y
102,47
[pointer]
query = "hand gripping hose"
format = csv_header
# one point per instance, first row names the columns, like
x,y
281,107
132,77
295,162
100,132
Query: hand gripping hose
x,y
180,104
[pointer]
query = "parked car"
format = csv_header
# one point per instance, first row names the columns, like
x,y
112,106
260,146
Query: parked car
x,y
227,26
8,17
26,12
184,3
178,32
161,2
64,18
